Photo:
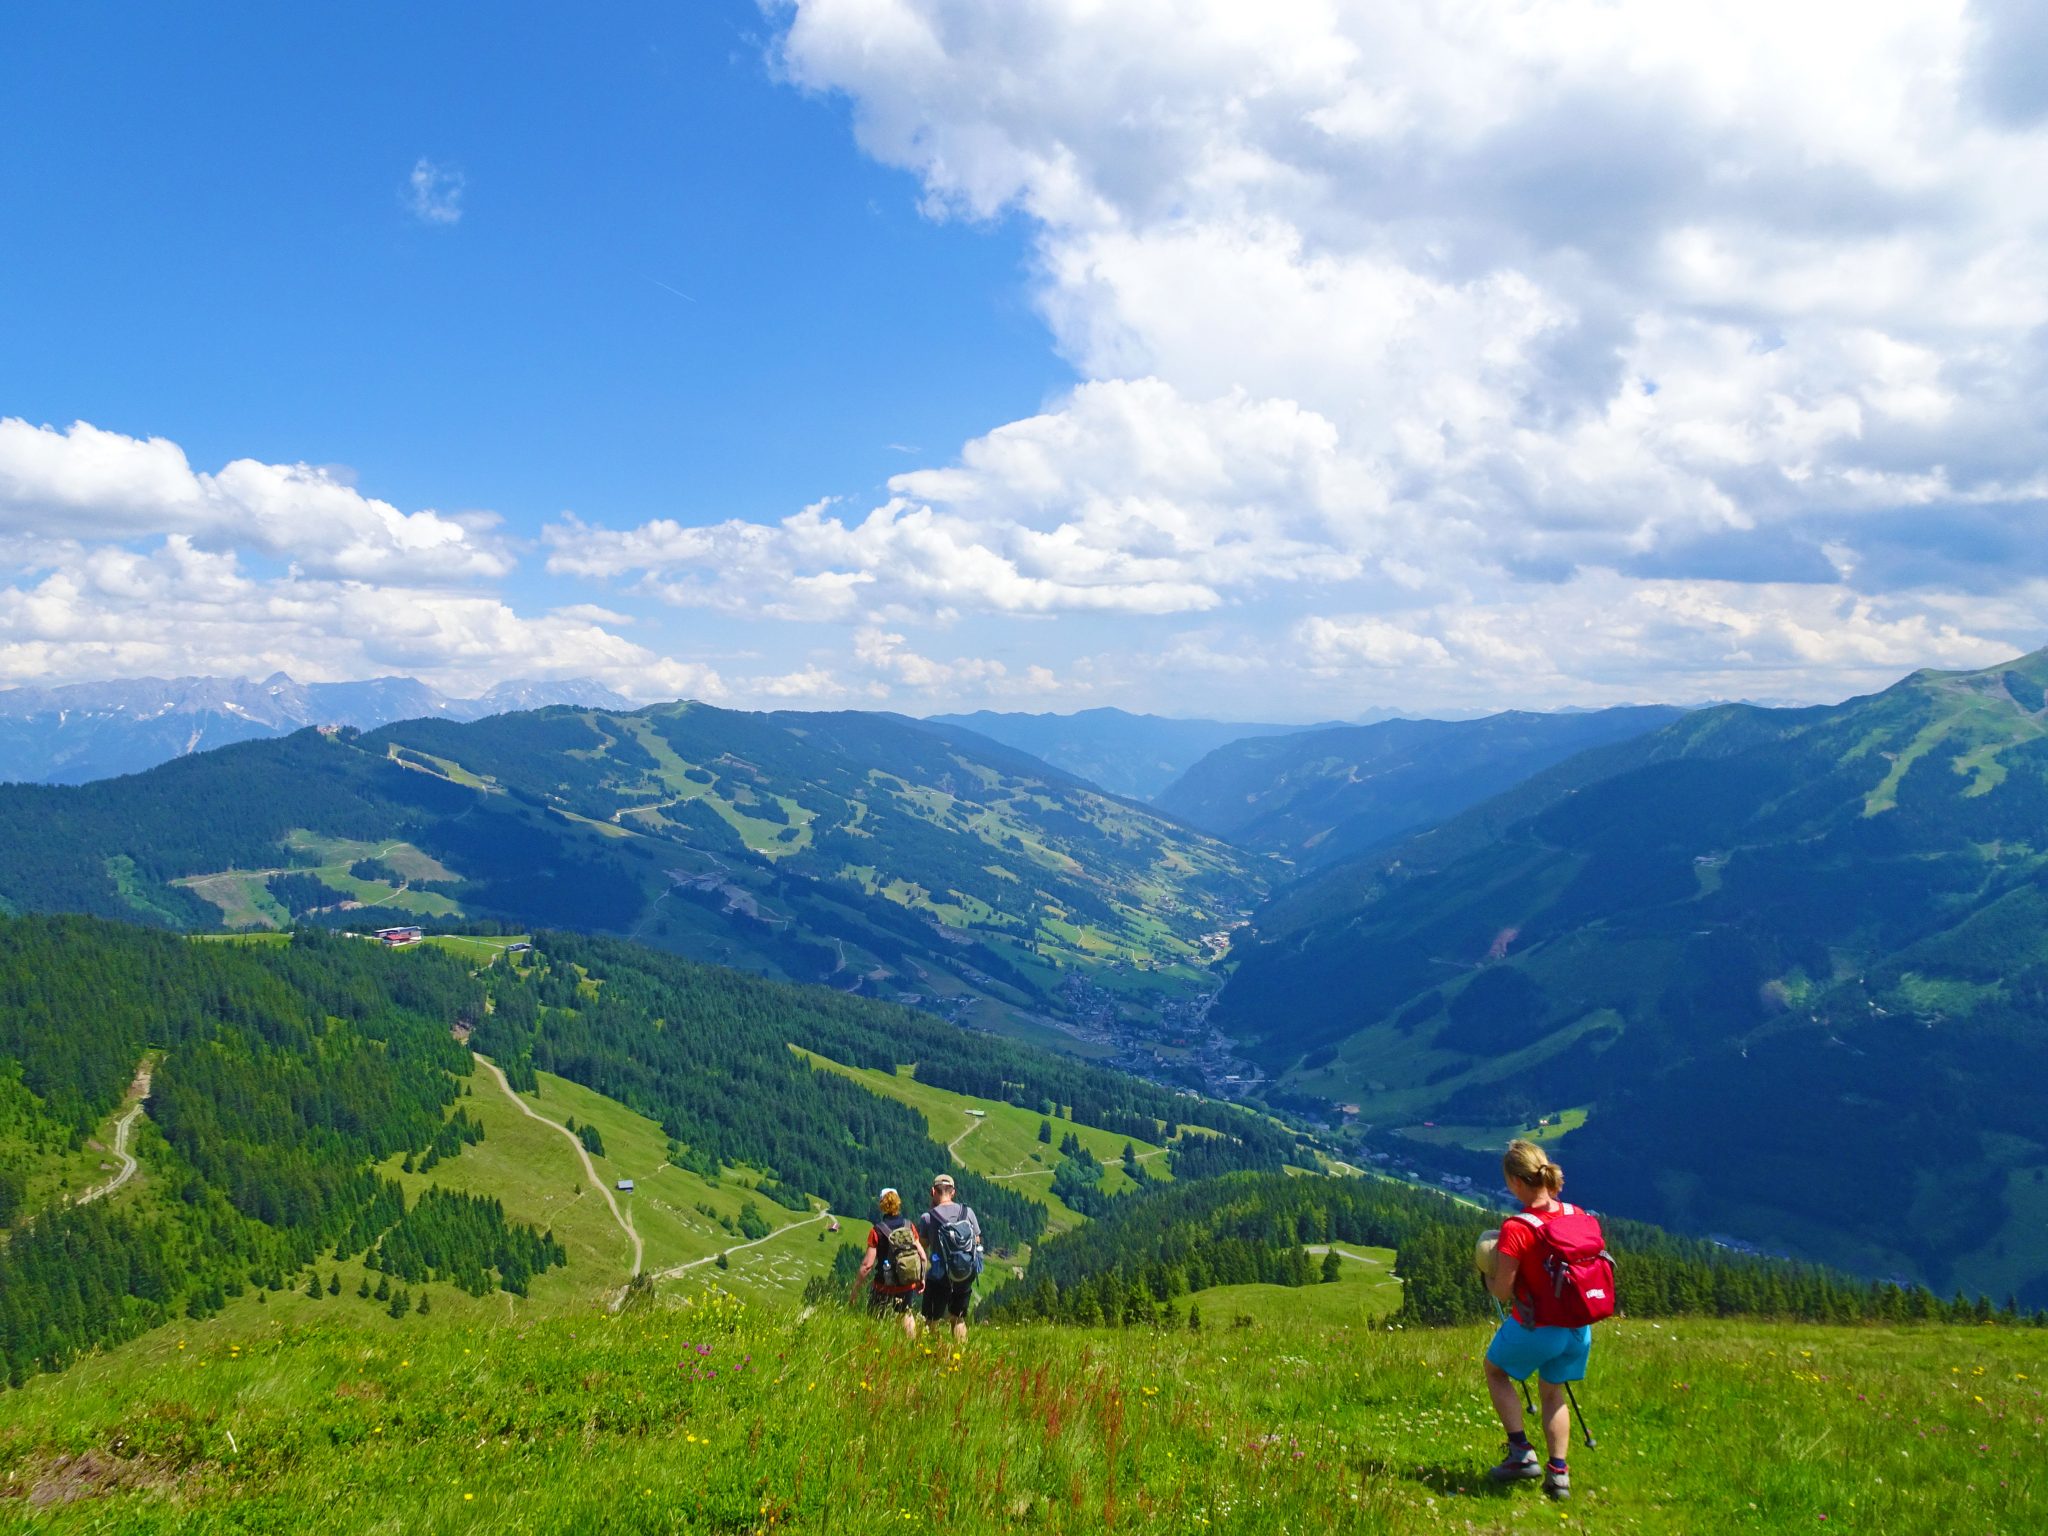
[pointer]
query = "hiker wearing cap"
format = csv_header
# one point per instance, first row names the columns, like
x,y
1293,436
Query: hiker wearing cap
x,y
951,1233
896,1259
1551,1270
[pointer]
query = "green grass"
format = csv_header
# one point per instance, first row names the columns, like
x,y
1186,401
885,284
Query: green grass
x,y
244,898
478,947
437,767
533,1170
245,902
1491,1138
1364,1293
1002,1141
132,889
330,1417
57,1172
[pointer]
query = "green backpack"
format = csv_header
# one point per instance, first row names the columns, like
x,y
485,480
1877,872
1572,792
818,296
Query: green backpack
x,y
900,1262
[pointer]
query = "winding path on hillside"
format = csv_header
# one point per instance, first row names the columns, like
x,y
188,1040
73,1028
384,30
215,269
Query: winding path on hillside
x,y
582,1155
712,1258
974,1123
122,1127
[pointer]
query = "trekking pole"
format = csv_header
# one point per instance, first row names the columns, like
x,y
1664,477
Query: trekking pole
x,y
1584,1428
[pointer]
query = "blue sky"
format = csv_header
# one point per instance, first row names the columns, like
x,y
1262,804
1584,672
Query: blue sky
x,y
210,241
1272,362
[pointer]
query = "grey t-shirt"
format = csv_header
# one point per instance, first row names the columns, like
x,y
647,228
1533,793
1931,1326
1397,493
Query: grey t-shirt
x,y
928,1228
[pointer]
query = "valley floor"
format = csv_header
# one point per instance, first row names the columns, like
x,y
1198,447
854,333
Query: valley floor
x,y
718,1415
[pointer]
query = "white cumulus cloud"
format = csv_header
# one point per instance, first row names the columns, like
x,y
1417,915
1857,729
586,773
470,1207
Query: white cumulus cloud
x,y
87,483
1387,304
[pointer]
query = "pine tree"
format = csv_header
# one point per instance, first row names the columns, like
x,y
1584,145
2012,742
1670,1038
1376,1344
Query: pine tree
x,y
425,1305
313,1287
1194,1318
334,1283
383,1291
1045,1132
1333,1267
363,1289
401,1302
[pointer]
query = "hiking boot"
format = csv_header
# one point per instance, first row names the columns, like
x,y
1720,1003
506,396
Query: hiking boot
x,y
1557,1482
1519,1465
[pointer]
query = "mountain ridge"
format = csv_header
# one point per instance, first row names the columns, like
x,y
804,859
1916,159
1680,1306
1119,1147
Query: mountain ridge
x,y
1321,796
1132,754
1783,934
871,851
75,732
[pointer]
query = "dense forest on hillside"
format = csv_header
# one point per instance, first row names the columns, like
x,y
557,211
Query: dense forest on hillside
x,y
1788,935
705,1052
1156,1248
1323,796
282,1075
907,859
282,1072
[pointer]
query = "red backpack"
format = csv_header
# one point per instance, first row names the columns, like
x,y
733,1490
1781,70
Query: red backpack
x,y
1581,1271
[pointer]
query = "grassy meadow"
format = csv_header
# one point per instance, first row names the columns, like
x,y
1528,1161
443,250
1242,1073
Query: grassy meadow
x,y
1001,1141
717,1415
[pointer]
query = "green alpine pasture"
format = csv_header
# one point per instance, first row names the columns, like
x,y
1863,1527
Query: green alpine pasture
x,y
329,1416
1000,1140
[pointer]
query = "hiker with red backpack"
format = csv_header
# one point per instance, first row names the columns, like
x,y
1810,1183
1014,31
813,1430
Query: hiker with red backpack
x,y
1552,1270
896,1259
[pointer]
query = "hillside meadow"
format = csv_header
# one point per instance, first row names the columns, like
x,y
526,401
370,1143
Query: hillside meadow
x,y
718,1415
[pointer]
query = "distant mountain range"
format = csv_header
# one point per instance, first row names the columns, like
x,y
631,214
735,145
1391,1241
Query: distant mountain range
x,y
1324,795
1126,754
868,851
83,731
1779,973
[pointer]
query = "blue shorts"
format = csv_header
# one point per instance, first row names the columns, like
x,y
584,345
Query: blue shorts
x,y
1558,1355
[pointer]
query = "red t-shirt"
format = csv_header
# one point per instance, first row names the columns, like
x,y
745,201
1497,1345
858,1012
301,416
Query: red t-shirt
x,y
1518,1242
875,1242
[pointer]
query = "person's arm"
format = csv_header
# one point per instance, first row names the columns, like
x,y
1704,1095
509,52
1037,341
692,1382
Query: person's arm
x,y
1506,1269
867,1266
1507,1263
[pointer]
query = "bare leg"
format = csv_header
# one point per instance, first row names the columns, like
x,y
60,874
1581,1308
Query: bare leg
x,y
1507,1401
910,1325
1557,1420
959,1330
